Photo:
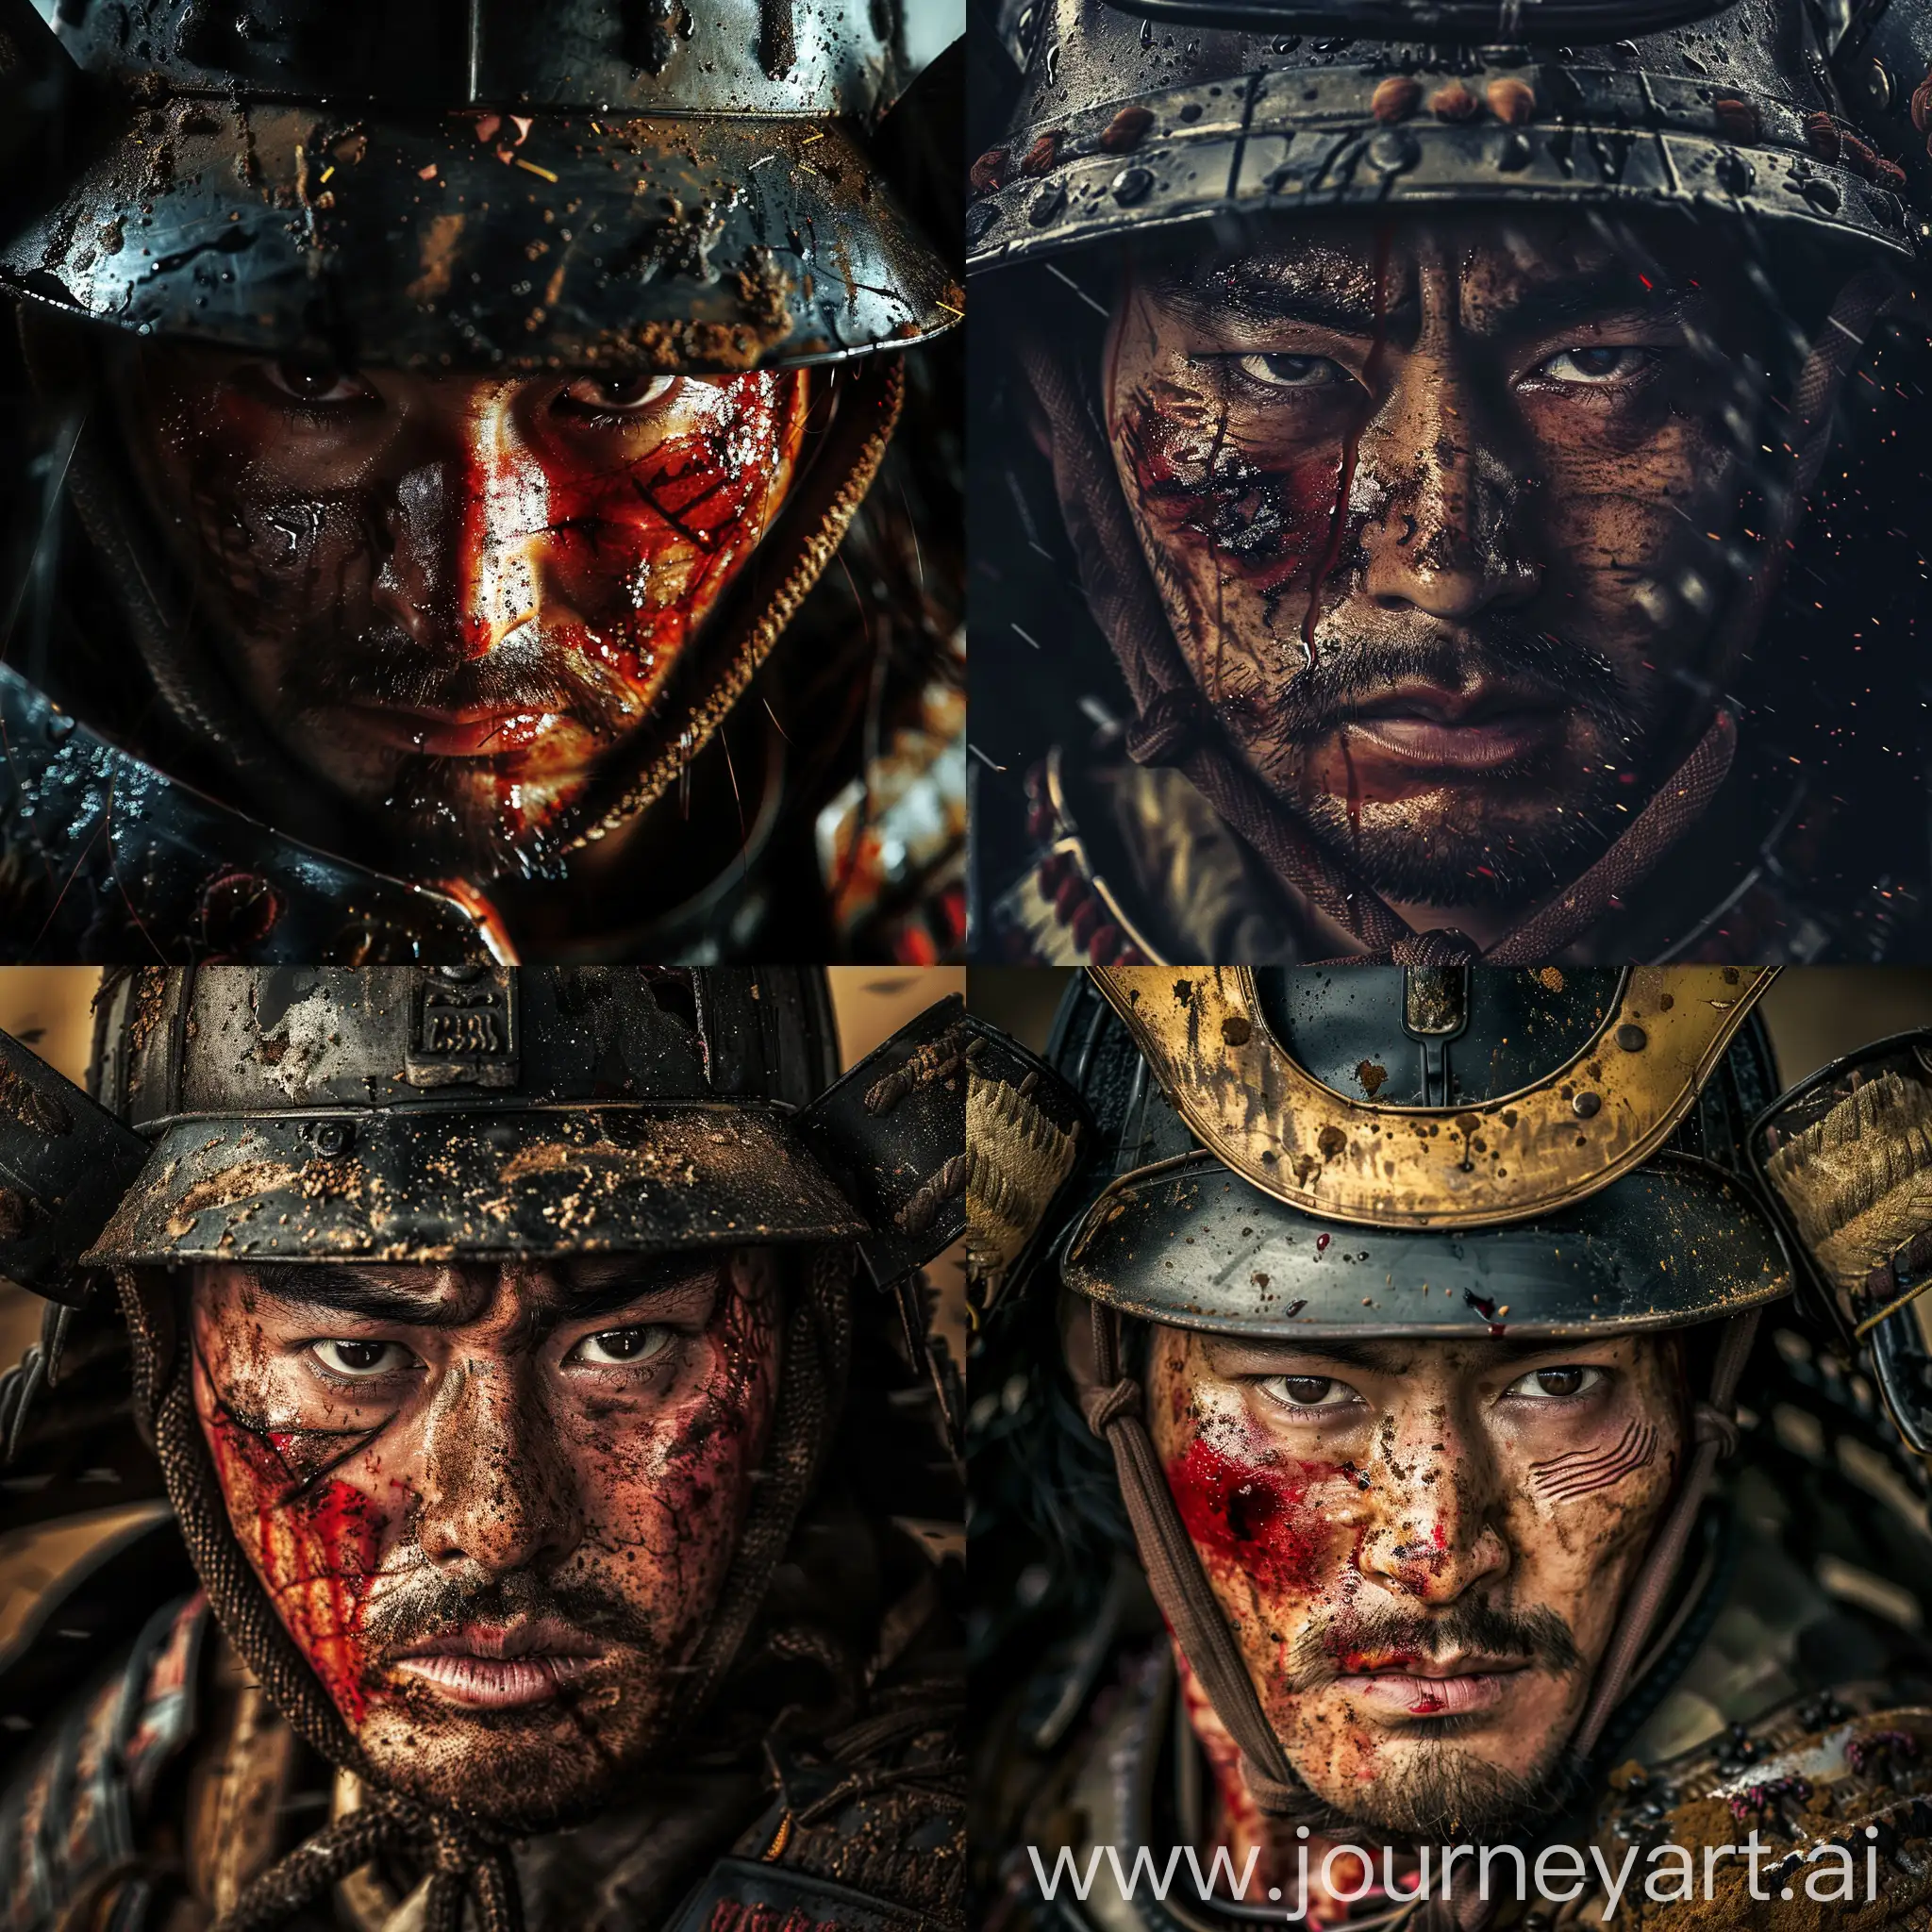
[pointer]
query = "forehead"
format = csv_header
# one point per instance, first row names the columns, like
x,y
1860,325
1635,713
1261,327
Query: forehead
x,y
451,1294
1496,258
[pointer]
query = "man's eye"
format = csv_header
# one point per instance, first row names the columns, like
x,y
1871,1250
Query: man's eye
x,y
1291,372
1594,366
615,395
1554,1384
362,1359
622,1348
1308,1391
315,383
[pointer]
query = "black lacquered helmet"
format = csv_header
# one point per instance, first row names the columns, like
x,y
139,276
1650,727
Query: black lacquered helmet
x,y
1424,1151
419,1115
1154,114
574,184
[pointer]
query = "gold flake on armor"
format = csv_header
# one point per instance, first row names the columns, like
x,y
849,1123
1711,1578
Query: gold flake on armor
x,y
1016,1160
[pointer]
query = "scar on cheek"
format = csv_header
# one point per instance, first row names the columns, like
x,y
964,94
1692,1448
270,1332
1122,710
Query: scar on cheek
x,y
283,1460
1584,1471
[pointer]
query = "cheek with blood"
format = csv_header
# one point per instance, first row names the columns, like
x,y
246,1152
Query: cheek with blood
x,y
317,1543
645,548
1256,1516
1265,520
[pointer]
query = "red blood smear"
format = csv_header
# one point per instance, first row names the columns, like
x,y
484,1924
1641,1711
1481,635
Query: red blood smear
x,y
1173,462
1250,1514
608,538
318,1550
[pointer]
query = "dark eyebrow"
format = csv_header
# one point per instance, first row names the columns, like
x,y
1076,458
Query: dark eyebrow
x,y
1270,298
1382,1356
1335,305
329,1285
594,1287
1553,306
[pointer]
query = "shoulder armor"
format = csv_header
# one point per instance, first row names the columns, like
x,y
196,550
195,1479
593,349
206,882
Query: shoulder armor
x,y
875,1810
1840,1803
71,1815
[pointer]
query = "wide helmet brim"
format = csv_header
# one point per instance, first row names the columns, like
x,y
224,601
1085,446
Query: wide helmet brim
x,y
1148,157
428,1185
524,243
1191,1244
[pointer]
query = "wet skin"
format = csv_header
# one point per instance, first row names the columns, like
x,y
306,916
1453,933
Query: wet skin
x,y
494,1508
1421,1548
1422,497
449,597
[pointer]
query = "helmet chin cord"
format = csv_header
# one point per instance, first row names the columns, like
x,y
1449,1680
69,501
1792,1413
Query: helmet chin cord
x,y
1115,1407
466,1857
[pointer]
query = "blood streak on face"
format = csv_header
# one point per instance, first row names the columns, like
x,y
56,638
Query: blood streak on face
x,y
451,597
317,1543
495,1529
1418,1548
1407,532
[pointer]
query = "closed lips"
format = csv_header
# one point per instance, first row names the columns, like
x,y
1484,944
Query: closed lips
x,y
497,1669
1432,1689
1473,730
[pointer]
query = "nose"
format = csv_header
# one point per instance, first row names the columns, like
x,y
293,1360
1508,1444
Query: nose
x,y
1448,539
495,1495
1435,1533
466,527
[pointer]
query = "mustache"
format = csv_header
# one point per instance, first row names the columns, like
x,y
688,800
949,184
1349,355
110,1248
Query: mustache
x,y
1536,1636
423,1603
1340,683
534,671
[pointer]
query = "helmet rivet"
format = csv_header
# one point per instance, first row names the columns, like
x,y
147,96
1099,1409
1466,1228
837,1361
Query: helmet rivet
x,y
1131,185
1516,153
1632,1039
1393,151
1047,204
1735,174
1822,196
1585,1105
334,1137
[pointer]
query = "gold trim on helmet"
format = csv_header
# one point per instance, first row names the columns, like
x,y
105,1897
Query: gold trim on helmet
x,y
1605,1110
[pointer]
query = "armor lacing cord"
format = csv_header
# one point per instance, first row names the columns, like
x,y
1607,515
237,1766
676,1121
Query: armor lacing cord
x,y
1115,1407
1175,725
467,1859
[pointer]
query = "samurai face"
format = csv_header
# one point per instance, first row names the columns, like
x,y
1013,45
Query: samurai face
x,y
450,597
493,1506
1421,1548
1435,506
